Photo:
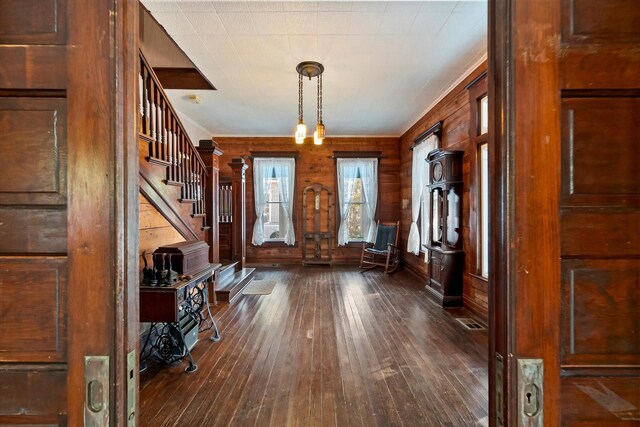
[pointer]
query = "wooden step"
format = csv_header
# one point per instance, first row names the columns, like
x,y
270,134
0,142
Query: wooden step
x,y
230,288
226,271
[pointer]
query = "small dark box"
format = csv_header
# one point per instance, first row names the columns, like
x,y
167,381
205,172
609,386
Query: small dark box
x,y
187,257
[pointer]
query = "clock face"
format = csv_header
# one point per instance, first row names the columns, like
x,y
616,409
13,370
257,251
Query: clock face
x,y
437,171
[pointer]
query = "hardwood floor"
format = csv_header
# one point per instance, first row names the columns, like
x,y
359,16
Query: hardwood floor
x,y
328,347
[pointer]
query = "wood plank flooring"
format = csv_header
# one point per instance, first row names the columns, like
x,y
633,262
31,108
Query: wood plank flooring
x,y
328,347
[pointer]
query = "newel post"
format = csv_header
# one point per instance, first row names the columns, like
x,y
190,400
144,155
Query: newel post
x,y
210,154
238,224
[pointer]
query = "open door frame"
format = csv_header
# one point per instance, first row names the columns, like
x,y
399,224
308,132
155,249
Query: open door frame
x,y
564,89
524,101
68,212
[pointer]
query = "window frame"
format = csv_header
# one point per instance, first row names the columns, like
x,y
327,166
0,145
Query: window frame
x,y
295,155
478,89
353,155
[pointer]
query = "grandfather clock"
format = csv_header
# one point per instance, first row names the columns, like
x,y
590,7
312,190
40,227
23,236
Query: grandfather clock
x,y
446,258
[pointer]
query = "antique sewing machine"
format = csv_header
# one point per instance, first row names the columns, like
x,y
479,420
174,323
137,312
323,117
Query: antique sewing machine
x,y
173,298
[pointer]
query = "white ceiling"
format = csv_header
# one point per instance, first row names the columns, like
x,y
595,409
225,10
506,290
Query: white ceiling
x,y
385,62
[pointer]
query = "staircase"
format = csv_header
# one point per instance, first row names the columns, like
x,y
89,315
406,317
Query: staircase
x,y
172,174
173,177
231,279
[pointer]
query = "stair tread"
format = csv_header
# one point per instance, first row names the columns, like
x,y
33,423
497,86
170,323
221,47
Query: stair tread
x,y
225,267
233,280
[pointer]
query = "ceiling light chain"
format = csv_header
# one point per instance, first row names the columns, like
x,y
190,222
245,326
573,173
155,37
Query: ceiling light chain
x,y
300,99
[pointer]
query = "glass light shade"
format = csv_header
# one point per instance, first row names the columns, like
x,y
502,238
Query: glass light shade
x,y
301,130
316,140
299,140
320,130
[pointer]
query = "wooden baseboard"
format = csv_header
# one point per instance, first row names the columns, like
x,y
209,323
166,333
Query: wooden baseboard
x,y
411,268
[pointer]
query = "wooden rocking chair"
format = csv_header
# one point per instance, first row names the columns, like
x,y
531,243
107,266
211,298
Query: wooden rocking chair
x,y
386,245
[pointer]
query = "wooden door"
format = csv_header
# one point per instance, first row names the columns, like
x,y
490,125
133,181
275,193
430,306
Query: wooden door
x,y
67,220
564,92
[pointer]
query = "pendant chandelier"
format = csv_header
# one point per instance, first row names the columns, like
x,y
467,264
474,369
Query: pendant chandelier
x,y
310,69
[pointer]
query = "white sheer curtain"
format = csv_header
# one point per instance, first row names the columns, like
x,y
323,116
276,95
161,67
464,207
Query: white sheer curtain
x,y
419,178
347,174
348,171
284,173
369,173
261,172
282,169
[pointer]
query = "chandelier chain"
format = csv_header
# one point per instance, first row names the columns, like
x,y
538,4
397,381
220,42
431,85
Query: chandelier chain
x,y
300,98
320,98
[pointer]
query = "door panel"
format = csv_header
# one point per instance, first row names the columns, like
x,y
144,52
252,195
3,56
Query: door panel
x,y
565,85
599,212
64,187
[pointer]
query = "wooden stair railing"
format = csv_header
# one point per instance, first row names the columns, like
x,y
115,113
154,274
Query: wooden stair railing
x,y
169,144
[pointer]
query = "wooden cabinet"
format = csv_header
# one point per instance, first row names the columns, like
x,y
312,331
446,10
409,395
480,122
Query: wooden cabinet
x,y
446,258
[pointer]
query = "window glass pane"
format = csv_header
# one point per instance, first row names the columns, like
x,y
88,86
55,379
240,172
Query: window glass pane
x,y
273,193
484,210
484,114
357,191
354,222
272,211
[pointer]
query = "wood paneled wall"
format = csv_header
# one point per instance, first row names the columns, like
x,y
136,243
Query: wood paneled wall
x,y
454,111
314,165
155,230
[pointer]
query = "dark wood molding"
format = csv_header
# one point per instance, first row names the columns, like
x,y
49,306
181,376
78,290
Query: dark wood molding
x,y
433,130
238,225
476,80
182,78
209,146
254,154
357,154
477,89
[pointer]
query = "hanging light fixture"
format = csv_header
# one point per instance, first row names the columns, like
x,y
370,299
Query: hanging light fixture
x,y
310,69
301,129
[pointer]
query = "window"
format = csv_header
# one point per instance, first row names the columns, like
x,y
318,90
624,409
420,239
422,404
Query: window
x,y
483,112
356,217
479,135
273,186
483,243
272,214
358,198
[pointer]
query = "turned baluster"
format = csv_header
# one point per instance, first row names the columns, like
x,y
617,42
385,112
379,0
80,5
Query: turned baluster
x,y
153,120
198,188
192,193
140,102
176,148
147,100
172,150
179,154
170,145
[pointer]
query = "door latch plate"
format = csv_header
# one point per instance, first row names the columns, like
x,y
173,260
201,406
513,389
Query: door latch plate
x,y
530,397
96,385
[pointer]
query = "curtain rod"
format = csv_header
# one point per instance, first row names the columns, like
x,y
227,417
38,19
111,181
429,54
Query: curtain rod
x,y
433,130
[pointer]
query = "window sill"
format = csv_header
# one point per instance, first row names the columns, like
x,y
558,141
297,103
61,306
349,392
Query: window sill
x,y
353,244
272,244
